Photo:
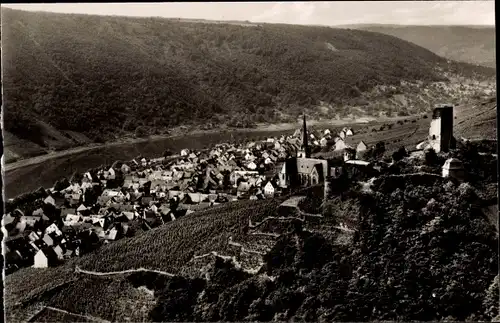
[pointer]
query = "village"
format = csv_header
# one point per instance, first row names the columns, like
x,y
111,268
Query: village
x,y
104,205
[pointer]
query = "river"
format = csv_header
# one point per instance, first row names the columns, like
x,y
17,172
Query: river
x,y
45,174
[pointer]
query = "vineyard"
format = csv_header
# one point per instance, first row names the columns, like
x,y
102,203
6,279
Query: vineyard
x,y
172,245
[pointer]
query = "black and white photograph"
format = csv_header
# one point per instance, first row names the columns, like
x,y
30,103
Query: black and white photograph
x,y
321,161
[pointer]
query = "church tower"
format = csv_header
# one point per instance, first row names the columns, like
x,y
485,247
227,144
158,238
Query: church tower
x,y
304,150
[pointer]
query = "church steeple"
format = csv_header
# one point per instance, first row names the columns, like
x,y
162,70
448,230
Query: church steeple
x,y
304,152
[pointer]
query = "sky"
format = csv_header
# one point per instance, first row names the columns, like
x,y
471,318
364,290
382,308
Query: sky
x,y
307,13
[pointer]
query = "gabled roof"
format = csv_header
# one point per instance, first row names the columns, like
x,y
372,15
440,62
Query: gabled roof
x,y
49,253
307,165
81,208
66,211
243,187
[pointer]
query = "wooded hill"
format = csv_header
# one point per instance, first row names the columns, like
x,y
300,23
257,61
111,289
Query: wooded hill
x,y
68,75
471,44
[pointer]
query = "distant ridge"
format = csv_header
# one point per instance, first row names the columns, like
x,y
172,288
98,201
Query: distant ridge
x,y
465,43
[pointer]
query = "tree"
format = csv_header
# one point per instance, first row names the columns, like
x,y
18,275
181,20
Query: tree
x,y
399,154
376,152
431,158
141,131
168,153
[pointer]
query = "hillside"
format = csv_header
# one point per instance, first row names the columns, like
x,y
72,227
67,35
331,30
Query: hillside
x,y
72,79
470,44
405,226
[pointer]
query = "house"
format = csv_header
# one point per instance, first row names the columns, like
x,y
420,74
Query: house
x,y
349,154
59,252
252,166
48,240
453,168
243,190
129,215
323,142
71,219
87,178
53,229
33,236
112,234
342,135
360,150
184,152
75,199
112,174
81,209
269,189
31,220
45,257
340,145
50,200
125,168
349,132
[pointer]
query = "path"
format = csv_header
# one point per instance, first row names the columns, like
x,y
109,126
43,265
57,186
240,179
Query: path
x,y
243,249
96,273
88,317
235,262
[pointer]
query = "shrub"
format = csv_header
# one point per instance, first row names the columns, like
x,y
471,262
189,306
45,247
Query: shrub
x,y
431,158
168,153
141,132
399,154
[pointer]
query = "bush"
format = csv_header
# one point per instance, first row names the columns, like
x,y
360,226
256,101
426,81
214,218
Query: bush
x,y
399,154
168,153
431,158
141,132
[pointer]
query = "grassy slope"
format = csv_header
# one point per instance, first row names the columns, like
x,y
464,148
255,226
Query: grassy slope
x,y
74,72
469,44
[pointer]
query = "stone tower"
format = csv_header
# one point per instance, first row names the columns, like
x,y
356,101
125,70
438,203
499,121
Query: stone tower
x,y
304,152
441,129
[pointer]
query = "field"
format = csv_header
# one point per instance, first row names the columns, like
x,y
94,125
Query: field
x,y
198,234
118,302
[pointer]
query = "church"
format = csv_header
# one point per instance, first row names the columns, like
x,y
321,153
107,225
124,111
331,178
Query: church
x,y
303,171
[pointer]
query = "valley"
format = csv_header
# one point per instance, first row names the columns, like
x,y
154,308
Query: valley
x,y
193,170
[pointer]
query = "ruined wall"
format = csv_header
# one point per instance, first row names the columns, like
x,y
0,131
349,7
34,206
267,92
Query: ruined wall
x,y
446,128
435,134
441,129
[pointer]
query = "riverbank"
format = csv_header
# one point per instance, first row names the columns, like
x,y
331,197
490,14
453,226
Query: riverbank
x,y
178,133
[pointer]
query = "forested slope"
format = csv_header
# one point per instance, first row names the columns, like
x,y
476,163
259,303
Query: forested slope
x,y
471,44
106,76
